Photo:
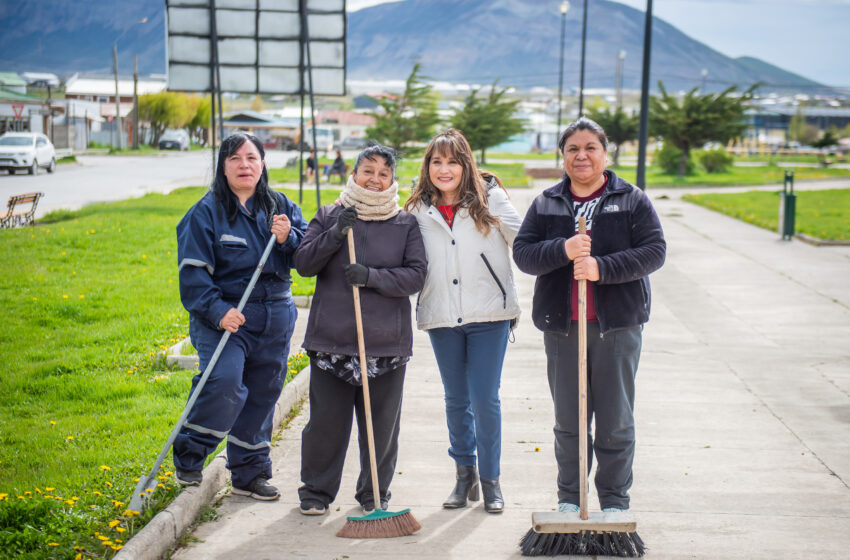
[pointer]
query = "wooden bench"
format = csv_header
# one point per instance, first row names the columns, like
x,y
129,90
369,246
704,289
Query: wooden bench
x,y
17,214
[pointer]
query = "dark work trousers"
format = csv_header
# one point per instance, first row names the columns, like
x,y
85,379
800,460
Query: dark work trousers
x,y
470,359
324,440
612,363
239,396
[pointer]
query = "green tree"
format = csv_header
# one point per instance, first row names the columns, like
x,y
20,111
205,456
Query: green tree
x,y
406,118
487,121
697,119
163,110
199,124
619,126
827,140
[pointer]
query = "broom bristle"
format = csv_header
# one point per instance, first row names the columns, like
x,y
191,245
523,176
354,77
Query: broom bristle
x,y
396,526
585,543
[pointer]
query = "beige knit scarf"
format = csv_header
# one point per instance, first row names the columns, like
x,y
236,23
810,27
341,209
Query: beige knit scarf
x,y
371,206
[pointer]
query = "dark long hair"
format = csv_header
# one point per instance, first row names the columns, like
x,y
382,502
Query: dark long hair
x,y
472,191
264,198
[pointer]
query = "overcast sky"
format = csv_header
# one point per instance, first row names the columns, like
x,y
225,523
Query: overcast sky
x,y
807,37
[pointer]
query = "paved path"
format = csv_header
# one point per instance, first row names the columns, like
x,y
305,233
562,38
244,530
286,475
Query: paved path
x,y
743,413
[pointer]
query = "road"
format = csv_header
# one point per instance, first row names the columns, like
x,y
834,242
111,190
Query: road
x,y
105,178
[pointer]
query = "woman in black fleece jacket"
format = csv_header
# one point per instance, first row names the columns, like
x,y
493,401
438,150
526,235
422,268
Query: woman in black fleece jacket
x,y
627,245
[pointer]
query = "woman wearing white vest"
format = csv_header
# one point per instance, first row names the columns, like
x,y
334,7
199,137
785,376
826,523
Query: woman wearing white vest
x,y
468,304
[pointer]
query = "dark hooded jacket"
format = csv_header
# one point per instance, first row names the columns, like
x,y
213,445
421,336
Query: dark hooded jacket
x,y
627,243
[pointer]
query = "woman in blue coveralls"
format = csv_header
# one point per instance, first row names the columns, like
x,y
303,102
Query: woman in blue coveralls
x,y
220,241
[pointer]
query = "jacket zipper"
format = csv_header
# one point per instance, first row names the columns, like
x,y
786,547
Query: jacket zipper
x,y
498,283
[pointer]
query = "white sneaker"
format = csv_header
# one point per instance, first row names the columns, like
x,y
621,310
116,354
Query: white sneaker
x,y
566,507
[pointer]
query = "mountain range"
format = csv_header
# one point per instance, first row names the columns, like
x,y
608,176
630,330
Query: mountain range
x,y
470,41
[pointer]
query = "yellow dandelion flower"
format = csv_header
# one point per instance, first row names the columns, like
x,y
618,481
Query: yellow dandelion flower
x,y
27,493
144,256
136,479
109,484
35,299
169,252
64,296
96,493
76,499
105,468
113,523
69,438
536,449
108,542
119,541
38,490
101,537
63,253
53,422
53,544
160,485
148,490
82,296
74,272
49,489
79,555
3,496
119,230
117,547
168,473
120,529
69,502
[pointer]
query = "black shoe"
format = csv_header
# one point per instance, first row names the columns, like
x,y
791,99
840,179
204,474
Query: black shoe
x,y
493,500
465,487
313,507
259,489
369,505
189,478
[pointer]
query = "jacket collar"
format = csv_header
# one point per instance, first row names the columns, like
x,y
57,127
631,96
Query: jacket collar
x,y
562,188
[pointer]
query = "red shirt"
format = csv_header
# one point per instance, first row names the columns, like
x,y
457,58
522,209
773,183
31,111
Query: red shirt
x,y
448,213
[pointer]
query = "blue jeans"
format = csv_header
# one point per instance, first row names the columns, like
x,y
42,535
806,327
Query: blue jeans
x,y
470,359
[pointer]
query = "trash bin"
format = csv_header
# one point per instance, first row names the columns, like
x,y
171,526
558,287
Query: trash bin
x,y
787,206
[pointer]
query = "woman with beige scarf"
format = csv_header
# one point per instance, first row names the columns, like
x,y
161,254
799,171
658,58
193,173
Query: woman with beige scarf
x,y
390,267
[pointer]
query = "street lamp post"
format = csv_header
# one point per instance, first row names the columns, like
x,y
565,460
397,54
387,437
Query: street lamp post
x,y
581,77
565,6
643,126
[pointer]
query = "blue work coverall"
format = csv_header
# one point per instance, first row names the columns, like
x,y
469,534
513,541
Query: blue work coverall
x,y
216,260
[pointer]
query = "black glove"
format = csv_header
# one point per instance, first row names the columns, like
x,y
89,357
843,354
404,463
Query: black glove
x,y
345,221
356,274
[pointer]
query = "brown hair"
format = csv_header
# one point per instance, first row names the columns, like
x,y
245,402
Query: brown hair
x,y
472,191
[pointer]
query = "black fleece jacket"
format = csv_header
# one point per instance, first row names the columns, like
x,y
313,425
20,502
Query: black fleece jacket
x,y
628,244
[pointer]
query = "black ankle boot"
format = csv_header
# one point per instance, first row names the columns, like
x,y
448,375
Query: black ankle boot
x,y
466,487
493,500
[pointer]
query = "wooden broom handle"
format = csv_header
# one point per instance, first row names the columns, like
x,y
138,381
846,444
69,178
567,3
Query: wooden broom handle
x,y
582,386
364,376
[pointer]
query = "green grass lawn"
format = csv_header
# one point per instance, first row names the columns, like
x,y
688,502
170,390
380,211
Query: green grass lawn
x,y
85,404
511,174
821,214
735,176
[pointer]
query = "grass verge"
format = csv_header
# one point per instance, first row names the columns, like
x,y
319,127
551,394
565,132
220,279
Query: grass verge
x,y
511,174
85,403
823,214
762,175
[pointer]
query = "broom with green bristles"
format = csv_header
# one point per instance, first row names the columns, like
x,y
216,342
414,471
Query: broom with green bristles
x,y
378,523
582,534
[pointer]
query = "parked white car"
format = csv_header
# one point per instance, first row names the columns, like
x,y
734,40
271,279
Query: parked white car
x,y
174,139
26,150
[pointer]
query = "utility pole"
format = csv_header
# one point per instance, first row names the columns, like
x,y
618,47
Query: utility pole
x,y
117,95
621,56
135,102
643,128
583,43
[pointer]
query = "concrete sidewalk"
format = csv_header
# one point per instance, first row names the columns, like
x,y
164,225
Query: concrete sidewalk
x,y
743,411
